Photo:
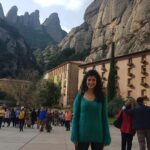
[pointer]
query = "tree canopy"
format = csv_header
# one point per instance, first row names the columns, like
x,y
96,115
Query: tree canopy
x,y
48,92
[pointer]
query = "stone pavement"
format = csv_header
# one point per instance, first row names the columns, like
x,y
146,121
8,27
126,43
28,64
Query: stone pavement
x,y
58,139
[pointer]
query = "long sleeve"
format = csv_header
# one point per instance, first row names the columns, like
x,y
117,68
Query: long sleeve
x,y
106,132
75,120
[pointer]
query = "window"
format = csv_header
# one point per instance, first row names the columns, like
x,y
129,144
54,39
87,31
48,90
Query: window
x,y
143,59
64,75
130,72
143,92
103,74
84,71
116,67
64,83
143,80
130,61
64,92
103,67
129,93
94,67
129,81
143,70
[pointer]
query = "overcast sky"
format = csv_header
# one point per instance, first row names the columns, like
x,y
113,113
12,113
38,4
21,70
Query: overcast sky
x,y
70,12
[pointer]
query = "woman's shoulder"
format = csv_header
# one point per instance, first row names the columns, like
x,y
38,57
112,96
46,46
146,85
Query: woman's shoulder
x,y
78,95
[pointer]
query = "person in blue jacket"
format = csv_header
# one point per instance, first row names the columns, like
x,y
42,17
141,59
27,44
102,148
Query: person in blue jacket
x,y
42,116
90,120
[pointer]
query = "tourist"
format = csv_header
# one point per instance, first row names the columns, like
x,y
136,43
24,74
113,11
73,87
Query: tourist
x,y
90,118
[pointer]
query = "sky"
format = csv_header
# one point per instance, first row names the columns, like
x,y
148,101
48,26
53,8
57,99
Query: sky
x,y
70,12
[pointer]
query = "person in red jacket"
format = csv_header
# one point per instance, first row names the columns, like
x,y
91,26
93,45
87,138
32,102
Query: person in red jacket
x,y
127,132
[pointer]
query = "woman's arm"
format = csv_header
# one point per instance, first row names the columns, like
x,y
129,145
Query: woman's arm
x,y
75,120
106,132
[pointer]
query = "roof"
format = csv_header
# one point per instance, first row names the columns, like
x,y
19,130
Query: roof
x,y
67,62
16,80
116,58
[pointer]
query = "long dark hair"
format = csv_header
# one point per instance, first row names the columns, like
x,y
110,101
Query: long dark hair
x,y
98,89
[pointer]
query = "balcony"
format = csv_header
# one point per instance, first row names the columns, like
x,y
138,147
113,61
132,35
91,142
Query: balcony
x,y
104,79
130,64
116,67
144,84
143,71
131,74
144,62
103,67
117,77
130,85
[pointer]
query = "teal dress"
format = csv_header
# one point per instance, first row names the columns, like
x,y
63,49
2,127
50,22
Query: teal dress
x,y
90,121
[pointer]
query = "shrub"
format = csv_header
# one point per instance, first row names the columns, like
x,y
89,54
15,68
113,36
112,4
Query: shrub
x,y
115,105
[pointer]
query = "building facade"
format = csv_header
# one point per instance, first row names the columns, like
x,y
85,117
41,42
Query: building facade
x,y
132,73
66,75
16,88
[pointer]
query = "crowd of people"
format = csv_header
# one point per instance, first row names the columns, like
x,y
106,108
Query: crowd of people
x,y
30,118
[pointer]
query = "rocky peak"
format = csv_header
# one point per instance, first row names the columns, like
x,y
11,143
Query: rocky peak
x,y
34,19
52,25
1,12
53,19
12,15
30,20
26,18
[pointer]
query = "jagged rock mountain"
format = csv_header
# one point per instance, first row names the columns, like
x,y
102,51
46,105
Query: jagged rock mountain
x,y
127,22
37,35
15,54
52,24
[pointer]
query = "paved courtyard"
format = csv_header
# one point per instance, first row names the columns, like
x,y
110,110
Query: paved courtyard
x,y
58,139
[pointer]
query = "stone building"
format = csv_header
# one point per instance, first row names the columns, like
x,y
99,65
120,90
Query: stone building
x,y
66,75
15,88
132,73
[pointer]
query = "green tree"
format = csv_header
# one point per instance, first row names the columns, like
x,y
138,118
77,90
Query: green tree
x,y
111,85
48,92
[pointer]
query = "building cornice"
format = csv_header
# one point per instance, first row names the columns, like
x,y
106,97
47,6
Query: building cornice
x,y
133,55
63,64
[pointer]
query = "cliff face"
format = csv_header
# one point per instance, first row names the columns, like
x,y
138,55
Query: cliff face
x,y
80,37
126,22
15,54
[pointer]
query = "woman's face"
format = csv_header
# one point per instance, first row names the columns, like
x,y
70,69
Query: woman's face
x,y
91,82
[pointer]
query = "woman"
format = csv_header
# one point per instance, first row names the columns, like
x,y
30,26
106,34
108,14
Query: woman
x,y
90,121
127,132
48,120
